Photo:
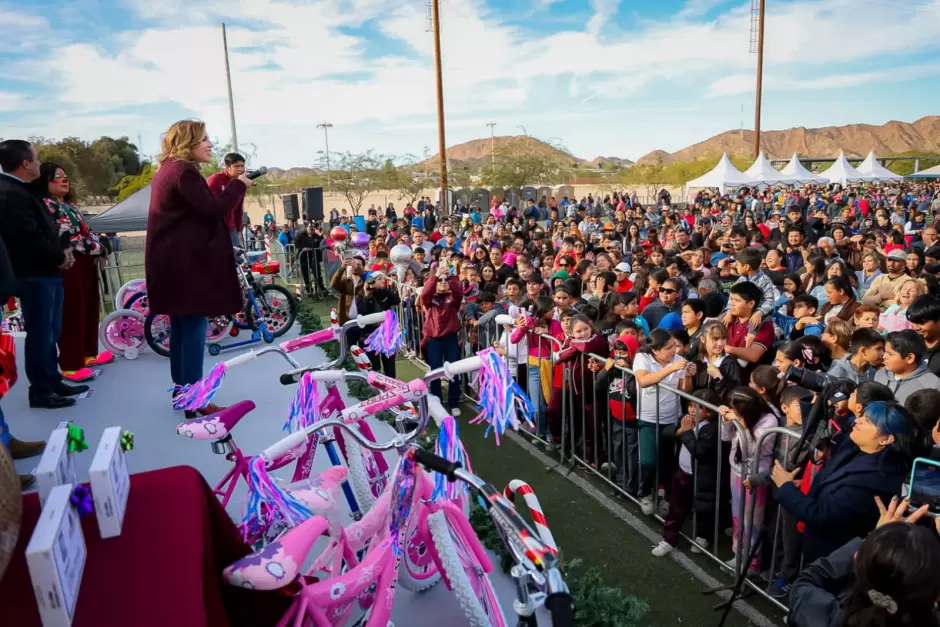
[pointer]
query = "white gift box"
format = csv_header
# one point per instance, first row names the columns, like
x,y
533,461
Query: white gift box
x,y
110,483
55,557
56,466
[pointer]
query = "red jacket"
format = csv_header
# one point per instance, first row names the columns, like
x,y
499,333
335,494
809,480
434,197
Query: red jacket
x,y
441,311
189,260
217,184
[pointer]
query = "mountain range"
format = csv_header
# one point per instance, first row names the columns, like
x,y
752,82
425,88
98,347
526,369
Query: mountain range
x,y
857,140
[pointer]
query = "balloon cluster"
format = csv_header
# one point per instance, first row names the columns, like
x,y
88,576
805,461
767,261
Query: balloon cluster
x,y
340,241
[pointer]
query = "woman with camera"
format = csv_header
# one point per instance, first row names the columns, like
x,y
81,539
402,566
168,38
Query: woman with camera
x,y
872,460
889,579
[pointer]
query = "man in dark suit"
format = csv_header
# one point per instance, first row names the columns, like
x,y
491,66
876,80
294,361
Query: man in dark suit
x,y
38,254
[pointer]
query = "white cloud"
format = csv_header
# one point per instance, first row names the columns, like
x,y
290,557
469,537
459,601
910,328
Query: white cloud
x,y
492,69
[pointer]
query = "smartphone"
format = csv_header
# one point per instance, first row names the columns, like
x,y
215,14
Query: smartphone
x,y
924,486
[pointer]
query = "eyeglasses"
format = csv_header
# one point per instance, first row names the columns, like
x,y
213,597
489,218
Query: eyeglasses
x,y
667,290
60,177
563,265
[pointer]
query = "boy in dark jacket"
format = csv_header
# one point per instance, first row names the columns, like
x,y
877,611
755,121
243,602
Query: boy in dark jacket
x,y
699,435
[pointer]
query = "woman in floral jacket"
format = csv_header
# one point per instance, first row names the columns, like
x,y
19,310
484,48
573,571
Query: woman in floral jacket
x,y
78,344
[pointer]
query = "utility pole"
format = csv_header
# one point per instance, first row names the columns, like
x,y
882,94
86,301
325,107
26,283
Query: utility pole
x,y
228,82
436,16
760,75
492,143
326,139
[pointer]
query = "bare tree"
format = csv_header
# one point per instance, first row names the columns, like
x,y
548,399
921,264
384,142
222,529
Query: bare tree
x,y
522,161
356,175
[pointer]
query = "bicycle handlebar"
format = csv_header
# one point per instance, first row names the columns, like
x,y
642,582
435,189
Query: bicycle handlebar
x,y
326,335
523,542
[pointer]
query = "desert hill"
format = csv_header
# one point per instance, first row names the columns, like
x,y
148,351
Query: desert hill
x,y
478,152
857,140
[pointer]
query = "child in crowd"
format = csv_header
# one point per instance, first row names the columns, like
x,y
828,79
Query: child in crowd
x,y
752,417
695,481
865,356
904,372
539,321
621,399
588,417
770,385
807,320
837,337
554,411
716,369
866,317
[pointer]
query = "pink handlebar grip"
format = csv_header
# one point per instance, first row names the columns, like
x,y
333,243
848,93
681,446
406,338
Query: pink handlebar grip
x,y
414,391
379,380
311,339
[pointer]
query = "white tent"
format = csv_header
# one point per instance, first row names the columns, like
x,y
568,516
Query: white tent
x,y
843,173
796,171
929,173
722,176
874,171
763,173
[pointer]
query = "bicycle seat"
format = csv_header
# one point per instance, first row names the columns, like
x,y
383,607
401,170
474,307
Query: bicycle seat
x,y
217,425
279,563
319,492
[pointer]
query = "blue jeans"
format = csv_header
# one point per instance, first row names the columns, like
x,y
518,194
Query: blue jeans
x,y
235,238
534,390
441,349
187,348
41,299
5,436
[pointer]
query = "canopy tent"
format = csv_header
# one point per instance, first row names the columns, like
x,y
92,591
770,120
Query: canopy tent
x,y
762,172
128,215
929,173
842,172
796,171
722,176
874,171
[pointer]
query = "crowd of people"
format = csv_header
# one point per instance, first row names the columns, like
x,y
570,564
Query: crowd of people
x,y
677,327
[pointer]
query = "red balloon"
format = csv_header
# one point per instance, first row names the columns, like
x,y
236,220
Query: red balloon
x,y
338,234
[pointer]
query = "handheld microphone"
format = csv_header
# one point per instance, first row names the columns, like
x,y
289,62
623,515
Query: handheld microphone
x,y
256,173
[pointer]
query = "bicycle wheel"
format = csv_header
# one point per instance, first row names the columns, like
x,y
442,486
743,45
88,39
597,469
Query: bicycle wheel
x,y
218,328
157,332
279,309
469,581
127,291
121,330
358,477
418,570
139,302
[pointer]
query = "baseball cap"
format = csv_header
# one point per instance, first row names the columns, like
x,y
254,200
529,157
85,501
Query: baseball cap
x,y
623,266
897,255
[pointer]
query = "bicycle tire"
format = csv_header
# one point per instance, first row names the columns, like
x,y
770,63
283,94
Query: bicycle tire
x,y
358,477
450,545
105,333
283,295
152,341
140,297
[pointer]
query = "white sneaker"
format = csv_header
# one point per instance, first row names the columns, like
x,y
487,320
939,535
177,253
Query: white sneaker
x,y
663,548
455,412
699,545
664,508
647,505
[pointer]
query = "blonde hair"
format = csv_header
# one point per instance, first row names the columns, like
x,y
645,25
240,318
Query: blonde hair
x,y
921,288
178,142
841,330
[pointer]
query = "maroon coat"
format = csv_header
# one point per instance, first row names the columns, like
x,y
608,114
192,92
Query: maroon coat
x,y
190,262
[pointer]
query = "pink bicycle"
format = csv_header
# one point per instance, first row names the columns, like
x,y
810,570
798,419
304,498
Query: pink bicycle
x,y
416,514
367,475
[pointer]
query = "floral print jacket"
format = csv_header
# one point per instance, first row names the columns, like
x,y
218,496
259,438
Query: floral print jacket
x,y
69,218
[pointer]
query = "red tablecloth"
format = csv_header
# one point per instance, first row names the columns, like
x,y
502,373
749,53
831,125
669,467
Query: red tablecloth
x,y
163,570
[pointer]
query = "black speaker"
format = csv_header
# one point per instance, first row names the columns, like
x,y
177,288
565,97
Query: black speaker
x,y
313,204
291,207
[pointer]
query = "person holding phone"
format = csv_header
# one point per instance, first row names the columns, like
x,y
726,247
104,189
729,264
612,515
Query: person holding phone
x,y
441,298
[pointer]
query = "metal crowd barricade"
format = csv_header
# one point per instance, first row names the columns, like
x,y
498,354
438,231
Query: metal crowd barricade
x,y
610,441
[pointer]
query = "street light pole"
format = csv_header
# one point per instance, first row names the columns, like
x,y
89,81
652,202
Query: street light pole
x,y
492,143
436,17
228,82
326,139
760,78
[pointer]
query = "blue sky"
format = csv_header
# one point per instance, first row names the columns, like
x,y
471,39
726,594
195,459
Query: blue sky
x,y
603,77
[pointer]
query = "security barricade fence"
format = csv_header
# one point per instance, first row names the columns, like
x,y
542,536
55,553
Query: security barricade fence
x,y
570,422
